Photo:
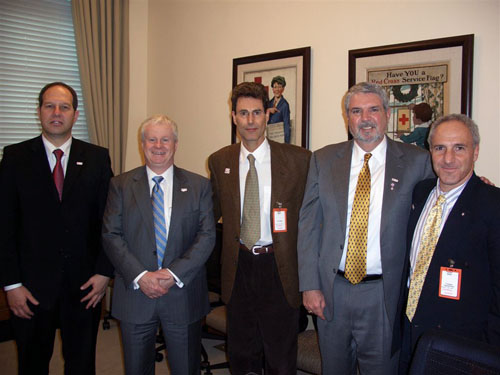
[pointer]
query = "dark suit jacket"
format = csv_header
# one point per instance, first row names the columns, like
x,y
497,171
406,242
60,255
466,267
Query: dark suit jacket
x,y
129,241
289,166
323,218
471,238
44,240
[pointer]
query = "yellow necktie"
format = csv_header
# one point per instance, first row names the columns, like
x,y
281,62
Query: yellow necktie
x,y
355,264
426,250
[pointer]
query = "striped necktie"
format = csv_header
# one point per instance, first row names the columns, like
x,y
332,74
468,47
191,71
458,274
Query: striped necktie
x,y
426,250
159,219
355,264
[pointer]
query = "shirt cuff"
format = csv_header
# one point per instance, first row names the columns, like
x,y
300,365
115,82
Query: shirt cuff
x,y
178,281
13,286
135,283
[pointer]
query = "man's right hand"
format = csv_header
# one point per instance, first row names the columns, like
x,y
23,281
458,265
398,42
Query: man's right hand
x,y
17,299
150,284
314,302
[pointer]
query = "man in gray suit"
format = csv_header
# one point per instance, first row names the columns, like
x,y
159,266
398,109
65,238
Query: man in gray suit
x,y
158,232
357,312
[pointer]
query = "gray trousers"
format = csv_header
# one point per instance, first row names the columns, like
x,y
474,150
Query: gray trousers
x,y
359,336
183,343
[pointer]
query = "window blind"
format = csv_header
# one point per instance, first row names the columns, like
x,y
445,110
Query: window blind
x,y
37,46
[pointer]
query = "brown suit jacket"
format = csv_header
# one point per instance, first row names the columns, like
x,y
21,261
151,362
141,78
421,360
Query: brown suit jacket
x,y
289,166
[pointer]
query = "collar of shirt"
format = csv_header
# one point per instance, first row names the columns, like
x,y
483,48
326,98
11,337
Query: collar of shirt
x,y
377,160
168,179
49,150
260,153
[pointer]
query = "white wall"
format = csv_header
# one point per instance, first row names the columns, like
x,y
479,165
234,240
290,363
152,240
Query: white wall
x,y
190,46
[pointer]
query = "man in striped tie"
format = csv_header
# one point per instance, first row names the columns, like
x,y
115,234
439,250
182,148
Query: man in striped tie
x,y
452,280
158,231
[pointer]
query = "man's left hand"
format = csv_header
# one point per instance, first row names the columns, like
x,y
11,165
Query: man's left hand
x,y
98,284
168,283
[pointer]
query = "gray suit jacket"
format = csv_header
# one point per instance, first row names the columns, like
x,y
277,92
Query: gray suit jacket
x,y
323,217
129,241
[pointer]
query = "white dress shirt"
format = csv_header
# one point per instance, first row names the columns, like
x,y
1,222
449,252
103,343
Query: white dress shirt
x,y
49,150
377,174
263,166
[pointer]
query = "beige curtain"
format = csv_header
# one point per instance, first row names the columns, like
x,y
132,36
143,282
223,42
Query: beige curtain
x,y
101,34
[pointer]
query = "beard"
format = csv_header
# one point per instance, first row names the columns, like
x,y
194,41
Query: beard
x,y
375,137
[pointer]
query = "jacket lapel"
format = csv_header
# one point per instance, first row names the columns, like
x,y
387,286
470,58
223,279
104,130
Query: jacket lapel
x,y
142,195
341,170
41,166
76,163
394,176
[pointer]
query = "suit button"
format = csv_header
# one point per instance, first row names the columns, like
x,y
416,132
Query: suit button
x,y
342,247
335,270
154,252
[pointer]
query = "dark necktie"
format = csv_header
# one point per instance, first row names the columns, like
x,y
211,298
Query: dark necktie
x,y
58,173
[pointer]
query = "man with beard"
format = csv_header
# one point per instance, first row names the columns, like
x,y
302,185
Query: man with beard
x,y
352,236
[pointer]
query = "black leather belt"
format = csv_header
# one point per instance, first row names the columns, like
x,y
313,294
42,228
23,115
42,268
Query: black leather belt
x,y
257,249
366,278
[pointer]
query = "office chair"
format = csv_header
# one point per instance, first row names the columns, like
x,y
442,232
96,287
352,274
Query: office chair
x,y
440,353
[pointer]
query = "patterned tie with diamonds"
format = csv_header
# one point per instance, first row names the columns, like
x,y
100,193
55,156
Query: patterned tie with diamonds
x,y
159,219
250,222
355,264
426,250
58,173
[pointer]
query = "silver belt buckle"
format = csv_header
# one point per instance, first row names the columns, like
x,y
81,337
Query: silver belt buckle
x,y
258,247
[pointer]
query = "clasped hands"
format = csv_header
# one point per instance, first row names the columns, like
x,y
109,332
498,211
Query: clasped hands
x,y
156,284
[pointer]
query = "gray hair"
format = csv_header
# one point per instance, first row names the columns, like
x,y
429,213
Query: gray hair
x,y
366,88
159,120
467,121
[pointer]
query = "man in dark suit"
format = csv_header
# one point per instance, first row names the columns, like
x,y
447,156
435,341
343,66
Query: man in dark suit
x,y
351,278
158,231
452,278
259,256
52,193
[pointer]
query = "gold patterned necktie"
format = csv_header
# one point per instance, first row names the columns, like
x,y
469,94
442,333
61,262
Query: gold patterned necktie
x,y
426,250
355,264
250,222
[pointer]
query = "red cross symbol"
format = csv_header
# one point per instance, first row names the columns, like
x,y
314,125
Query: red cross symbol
x,y
403,119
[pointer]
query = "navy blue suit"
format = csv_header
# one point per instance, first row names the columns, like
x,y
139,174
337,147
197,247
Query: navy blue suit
x,y
470,239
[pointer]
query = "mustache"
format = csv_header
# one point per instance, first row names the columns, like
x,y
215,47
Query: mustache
x,y
364,124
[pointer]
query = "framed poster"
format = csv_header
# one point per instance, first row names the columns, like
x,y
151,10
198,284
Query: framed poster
x,y
437,72
291,69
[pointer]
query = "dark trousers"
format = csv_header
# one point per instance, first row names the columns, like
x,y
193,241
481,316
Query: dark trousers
x,y
35,336
261,327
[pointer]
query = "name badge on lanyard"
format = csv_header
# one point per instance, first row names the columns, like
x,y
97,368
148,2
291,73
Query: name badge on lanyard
x,y
449,283
279,220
